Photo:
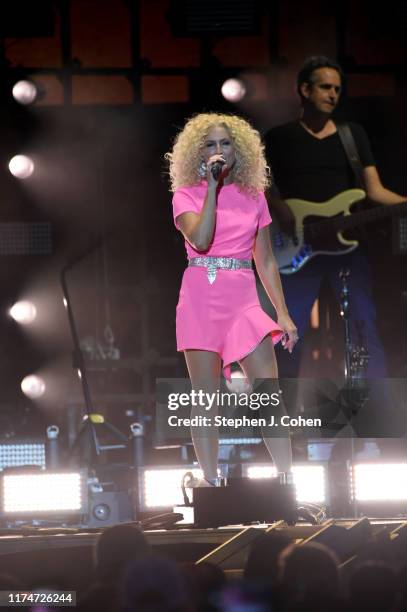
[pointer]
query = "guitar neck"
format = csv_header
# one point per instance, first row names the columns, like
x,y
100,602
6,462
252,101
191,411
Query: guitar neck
x,y
357,218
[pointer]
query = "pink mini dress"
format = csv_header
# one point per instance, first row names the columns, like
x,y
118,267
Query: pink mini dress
x,y
224,317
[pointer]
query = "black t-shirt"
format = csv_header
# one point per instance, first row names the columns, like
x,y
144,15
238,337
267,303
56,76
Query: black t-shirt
x,y
309,168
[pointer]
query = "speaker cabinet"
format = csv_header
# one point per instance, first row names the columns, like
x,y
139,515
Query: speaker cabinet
x,y
109,508
244,501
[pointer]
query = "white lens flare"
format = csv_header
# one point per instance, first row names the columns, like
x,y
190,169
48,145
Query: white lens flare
x,y
33,386
23,312
21,166
24,92
233,90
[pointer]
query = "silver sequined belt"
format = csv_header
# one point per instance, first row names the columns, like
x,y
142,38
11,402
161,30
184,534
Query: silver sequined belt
x,y
213,264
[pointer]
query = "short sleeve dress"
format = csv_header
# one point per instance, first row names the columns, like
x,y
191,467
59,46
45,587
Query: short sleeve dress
x,y
224,317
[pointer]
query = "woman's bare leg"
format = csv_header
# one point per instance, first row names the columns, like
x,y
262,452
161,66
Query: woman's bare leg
x,y
204,369
261,363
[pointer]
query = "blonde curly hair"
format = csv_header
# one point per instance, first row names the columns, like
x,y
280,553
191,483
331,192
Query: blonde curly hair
x,y
250,171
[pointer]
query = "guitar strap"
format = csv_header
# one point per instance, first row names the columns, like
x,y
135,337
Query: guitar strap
x,y
351,150
349,145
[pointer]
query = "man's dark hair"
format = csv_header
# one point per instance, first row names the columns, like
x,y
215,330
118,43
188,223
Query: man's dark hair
x,y
313,63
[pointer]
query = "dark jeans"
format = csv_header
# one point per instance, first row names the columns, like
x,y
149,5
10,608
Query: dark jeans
x,y
302,289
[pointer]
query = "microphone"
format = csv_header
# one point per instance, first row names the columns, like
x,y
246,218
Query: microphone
x,y
216,169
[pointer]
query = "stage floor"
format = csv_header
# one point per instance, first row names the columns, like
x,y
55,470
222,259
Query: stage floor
x,y
28,539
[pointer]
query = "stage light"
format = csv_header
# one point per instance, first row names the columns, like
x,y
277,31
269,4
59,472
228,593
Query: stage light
x,y
162,487
238,383
380,481
309,480
310,484
233,90
260,471
23,312
25,92
33,386
21,238
17,454
21,166
241,441
23,494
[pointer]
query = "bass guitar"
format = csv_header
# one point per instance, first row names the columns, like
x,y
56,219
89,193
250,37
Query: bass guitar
x,y
319,228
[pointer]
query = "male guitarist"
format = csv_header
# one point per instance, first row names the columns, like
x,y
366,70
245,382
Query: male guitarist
x,y
308,161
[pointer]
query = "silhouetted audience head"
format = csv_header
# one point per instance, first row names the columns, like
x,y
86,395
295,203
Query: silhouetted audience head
x,y
262,562
309,573
154,584
246,597
402,584
9,582
205,582
374,587
116,547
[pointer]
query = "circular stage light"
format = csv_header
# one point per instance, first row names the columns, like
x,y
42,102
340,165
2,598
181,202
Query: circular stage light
x,y
24,92
21,166
233,90
23,312
33,386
